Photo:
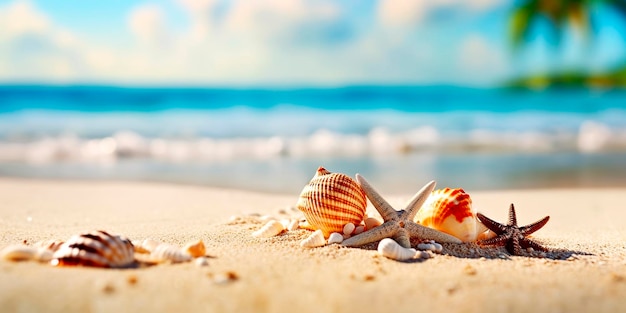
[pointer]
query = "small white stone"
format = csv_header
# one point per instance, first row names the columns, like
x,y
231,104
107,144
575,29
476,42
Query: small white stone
x,y
348,229
438,247
202,261
335,238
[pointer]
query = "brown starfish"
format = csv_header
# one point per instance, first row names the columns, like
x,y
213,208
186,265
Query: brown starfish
x,y
513,236
398,225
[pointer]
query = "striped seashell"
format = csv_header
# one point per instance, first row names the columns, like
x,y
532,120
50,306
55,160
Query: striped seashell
x,y
331,200
450,211
195,248
391,249
146,246
271,229
96,248
314,240
165,253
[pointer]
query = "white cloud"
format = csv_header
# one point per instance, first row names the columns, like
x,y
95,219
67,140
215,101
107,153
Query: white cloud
x,y
244,42
403,13
21,17
147,22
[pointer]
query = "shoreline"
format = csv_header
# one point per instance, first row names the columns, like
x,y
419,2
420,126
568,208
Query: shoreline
x,y
277,275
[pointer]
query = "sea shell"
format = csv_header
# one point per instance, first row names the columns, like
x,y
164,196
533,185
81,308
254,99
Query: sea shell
x,y
168,253
195,249
314,240
145,246
96,248
271,229
25,253
331,200
391,249
53,244
335,238
450,211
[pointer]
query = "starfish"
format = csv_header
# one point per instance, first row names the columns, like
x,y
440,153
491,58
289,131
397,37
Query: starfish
x,y
398,225
513,236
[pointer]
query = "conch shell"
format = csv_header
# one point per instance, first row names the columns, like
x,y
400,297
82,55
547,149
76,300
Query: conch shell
x,y
331,200
450,211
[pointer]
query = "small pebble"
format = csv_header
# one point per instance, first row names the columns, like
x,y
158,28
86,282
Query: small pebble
x,y
469,270
131,279
224,278
202,261
348,229
335,238
371,222
359,229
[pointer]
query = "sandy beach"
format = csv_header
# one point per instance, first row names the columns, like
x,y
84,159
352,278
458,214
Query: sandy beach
x,y
587,227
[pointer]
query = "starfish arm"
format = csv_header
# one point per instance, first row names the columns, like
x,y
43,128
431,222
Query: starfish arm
x,y
423,232
402,238
415,204
513,246
385,230
528,243
385,210
494,241
529,229
512,217
494,226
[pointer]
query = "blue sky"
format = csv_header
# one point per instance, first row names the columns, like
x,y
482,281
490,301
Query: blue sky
x,y
284,42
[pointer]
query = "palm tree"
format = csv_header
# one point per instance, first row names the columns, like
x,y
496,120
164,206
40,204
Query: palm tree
x,y
559,13
562,13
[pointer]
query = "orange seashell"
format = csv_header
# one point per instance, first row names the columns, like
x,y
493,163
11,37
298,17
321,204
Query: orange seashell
x,y
331,200
450,211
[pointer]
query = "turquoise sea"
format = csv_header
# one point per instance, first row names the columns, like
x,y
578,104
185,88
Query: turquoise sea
x,y
273,140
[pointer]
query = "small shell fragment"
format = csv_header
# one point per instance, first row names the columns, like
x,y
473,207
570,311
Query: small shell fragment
x,y
147,245
293,225
348,229
271,229
195,248
335,238
314,240
430,246
168,253
18,253
391,249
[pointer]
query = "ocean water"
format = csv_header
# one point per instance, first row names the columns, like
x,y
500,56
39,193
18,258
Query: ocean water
x,y
274,140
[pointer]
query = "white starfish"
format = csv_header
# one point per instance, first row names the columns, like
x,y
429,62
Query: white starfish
x,y
398,225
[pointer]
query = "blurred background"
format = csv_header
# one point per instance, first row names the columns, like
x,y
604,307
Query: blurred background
x,y
256,94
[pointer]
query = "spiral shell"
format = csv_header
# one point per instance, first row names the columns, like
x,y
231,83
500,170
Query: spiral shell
x,y
450,211
271,229
316,239
331,200
96,248
391,249
165,253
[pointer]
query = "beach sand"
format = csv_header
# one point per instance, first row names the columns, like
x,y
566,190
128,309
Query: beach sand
x,y
587,228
